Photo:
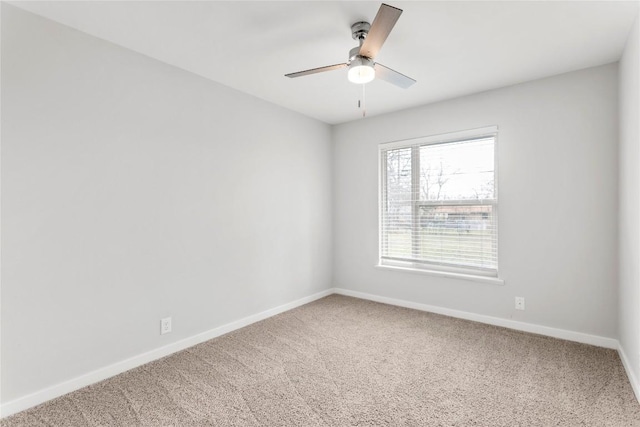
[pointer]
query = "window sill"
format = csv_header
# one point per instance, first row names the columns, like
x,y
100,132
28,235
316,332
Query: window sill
x,y
451,275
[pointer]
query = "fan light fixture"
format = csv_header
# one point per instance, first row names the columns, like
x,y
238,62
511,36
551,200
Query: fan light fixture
x,y
361,70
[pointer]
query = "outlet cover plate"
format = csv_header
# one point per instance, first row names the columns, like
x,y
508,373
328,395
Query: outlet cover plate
x,y
165,325
519,303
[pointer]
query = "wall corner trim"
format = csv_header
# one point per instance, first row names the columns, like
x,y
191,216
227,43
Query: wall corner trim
x,y
627,367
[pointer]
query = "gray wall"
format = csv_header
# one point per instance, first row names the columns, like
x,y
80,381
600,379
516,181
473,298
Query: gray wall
x,y
558,202
629,306
131,191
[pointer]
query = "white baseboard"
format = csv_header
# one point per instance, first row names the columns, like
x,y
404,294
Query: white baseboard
x,y
496,321
63,388
627,367
93,377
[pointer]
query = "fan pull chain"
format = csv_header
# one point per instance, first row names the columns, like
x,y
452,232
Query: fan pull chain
x,y
364,107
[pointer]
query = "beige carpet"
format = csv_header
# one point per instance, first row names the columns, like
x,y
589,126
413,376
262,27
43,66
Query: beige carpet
x,y
346,362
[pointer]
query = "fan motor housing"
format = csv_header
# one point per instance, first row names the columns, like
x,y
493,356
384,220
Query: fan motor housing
x,y
353,53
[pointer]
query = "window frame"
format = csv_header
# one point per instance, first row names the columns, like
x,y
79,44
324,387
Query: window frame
x,y
430,267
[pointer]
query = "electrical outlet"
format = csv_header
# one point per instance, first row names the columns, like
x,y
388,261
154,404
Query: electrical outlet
x,y
519,303
165,325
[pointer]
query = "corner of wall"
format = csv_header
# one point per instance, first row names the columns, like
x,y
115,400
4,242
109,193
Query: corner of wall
x,y
629,207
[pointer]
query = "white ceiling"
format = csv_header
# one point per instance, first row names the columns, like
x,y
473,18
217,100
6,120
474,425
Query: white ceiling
x,y
450,48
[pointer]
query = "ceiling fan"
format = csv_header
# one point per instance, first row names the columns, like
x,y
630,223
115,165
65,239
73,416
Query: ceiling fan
x,y
362,68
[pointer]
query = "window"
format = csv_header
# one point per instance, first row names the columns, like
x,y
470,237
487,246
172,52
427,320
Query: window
x,y
439,203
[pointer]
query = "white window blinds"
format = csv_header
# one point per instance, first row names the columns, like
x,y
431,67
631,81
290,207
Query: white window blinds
x,y
439,203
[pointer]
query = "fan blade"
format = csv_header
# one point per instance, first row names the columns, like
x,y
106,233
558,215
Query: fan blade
x,y
382,25
315,70
393,77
